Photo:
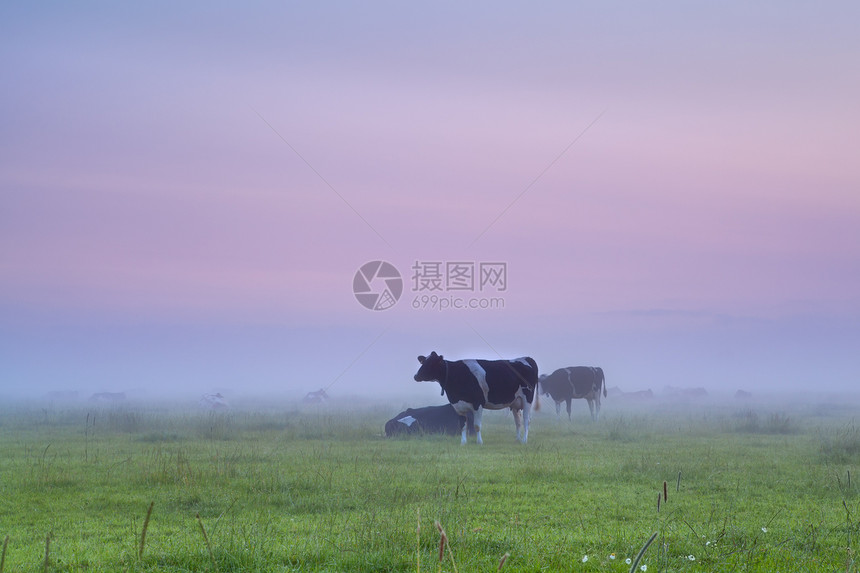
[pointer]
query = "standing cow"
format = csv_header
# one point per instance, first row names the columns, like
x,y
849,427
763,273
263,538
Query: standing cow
x,y
566,384
316,397
475,385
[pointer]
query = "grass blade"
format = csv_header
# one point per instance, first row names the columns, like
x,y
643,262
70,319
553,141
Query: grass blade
x,y
642,552
47,549
3,556
208,545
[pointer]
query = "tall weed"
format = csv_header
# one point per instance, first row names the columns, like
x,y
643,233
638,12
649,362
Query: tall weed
x,y
749,421
840,446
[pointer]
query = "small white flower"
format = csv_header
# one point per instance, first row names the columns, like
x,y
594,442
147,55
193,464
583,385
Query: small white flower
x,y
584,558
628,561
612,556
707,542
764,529
691,557
643,568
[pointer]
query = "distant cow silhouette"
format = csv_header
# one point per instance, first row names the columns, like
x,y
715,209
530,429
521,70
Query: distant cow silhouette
x,y
637,395
214,402
108,397
316,397
686,392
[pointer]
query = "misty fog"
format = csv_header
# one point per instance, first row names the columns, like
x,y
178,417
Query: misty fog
x,y
186,201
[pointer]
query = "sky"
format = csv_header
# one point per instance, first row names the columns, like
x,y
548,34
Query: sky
x,y
670,191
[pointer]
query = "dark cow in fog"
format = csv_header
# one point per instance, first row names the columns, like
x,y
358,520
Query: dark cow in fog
x,y
685,393
316,397
638,395
429,420
108,397
574,382
214,402
634,396
475,385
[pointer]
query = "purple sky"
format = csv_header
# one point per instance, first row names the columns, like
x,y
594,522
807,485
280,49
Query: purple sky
x,y
187,192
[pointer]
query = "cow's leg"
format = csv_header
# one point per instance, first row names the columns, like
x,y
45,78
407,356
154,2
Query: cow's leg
x,y
518,421
526,412
591,407
558,408
477,417
464,433
568,408
597,407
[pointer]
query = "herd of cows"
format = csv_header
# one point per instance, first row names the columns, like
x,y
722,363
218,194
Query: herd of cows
x,y
473,386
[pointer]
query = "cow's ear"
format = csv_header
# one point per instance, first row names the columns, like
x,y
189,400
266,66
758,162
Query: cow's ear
x,y
421,359
433,354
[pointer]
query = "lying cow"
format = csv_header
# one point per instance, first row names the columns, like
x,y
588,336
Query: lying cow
x,y
429,420
685,393
214,402
637,395
108,397
574,382
473,385
743,395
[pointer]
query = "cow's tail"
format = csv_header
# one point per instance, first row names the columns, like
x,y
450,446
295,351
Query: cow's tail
x,y
602,381
535,378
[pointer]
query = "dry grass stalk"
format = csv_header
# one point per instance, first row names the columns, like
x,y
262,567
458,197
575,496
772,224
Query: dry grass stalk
x,y
143,531
443,541
665,491
208,545
659,497
3,556
501,563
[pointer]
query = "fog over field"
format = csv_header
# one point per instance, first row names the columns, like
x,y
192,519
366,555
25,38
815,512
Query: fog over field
x,y
189,196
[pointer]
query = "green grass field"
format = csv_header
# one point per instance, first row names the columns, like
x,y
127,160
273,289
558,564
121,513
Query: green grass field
x,y
285,487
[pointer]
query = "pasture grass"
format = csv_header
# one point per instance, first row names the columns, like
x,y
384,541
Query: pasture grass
x,y
285,487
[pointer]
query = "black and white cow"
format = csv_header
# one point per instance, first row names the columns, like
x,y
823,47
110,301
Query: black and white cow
x,y
429,420
475,385
567,384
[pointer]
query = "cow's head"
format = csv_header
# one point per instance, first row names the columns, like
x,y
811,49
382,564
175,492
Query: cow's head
x,y
541,387
432,368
